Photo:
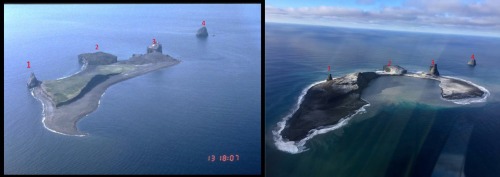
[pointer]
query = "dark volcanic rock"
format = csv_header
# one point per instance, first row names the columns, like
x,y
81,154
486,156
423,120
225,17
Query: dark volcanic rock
x,y
33,82
202,32
433,70
472,63
154,48
329,78
395,69
98,58
326,103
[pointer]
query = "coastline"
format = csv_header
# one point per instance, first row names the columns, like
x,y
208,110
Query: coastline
x,y
295,147
63,119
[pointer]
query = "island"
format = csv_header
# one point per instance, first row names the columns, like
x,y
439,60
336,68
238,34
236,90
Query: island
x,y
67,100
202,32
328,102
472,61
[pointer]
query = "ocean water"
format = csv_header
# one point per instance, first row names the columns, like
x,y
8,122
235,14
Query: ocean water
x,y
407,129
165,122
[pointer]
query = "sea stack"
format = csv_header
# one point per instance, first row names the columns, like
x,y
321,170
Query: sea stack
x,y
155,47
329,78
202,32
472,61
434,70
394,69
33,82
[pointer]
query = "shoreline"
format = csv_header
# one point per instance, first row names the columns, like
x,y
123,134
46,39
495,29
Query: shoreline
x,y
63,119
295,147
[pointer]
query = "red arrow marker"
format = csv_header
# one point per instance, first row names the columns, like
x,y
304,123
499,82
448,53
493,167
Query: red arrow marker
x,y
28,64
203,23
96,47
154,41
432,62
472,57
390,61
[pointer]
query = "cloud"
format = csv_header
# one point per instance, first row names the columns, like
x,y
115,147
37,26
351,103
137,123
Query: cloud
x,y
365,2
446,14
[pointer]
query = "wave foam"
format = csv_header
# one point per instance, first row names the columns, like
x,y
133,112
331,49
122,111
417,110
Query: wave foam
x,y
294,147
43,115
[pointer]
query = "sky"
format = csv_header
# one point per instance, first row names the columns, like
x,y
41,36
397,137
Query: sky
x,y
469,17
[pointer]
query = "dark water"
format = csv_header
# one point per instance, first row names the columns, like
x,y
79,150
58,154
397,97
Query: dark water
x,y
165,122
407,130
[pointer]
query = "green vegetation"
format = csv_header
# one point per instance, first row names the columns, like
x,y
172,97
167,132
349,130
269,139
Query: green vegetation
x,y
63,90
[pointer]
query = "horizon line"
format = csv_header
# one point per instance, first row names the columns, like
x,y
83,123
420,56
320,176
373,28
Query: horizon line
x,y
386,29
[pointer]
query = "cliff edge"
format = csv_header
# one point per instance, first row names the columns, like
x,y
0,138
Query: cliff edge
x,y
97,58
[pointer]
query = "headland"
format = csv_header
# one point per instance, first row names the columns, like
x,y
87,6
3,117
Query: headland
x,y
67,100
328,103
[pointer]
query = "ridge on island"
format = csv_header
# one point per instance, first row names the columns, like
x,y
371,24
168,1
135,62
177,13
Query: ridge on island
x,y
328,102
67,100
97,58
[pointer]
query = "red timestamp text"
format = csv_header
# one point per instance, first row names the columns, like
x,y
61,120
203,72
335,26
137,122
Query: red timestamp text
x,y
223,158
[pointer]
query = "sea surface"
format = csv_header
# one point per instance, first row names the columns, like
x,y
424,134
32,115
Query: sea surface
x,y
407,129
165,122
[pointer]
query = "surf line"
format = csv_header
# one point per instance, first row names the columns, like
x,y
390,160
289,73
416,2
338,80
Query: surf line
x,y
469,100
295,147
43,115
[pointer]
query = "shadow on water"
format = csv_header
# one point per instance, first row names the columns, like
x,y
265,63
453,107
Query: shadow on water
x,y
448,145
483,155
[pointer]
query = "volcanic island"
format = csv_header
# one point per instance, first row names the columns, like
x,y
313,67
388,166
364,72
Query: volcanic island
x,y
67,100
330,101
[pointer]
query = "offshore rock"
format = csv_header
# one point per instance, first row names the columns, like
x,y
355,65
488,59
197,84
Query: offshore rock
x,y
154,48
433,70
202,32
472,63
394,69
33,82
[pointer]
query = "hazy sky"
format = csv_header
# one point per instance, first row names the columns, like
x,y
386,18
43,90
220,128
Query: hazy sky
x,y
473,17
